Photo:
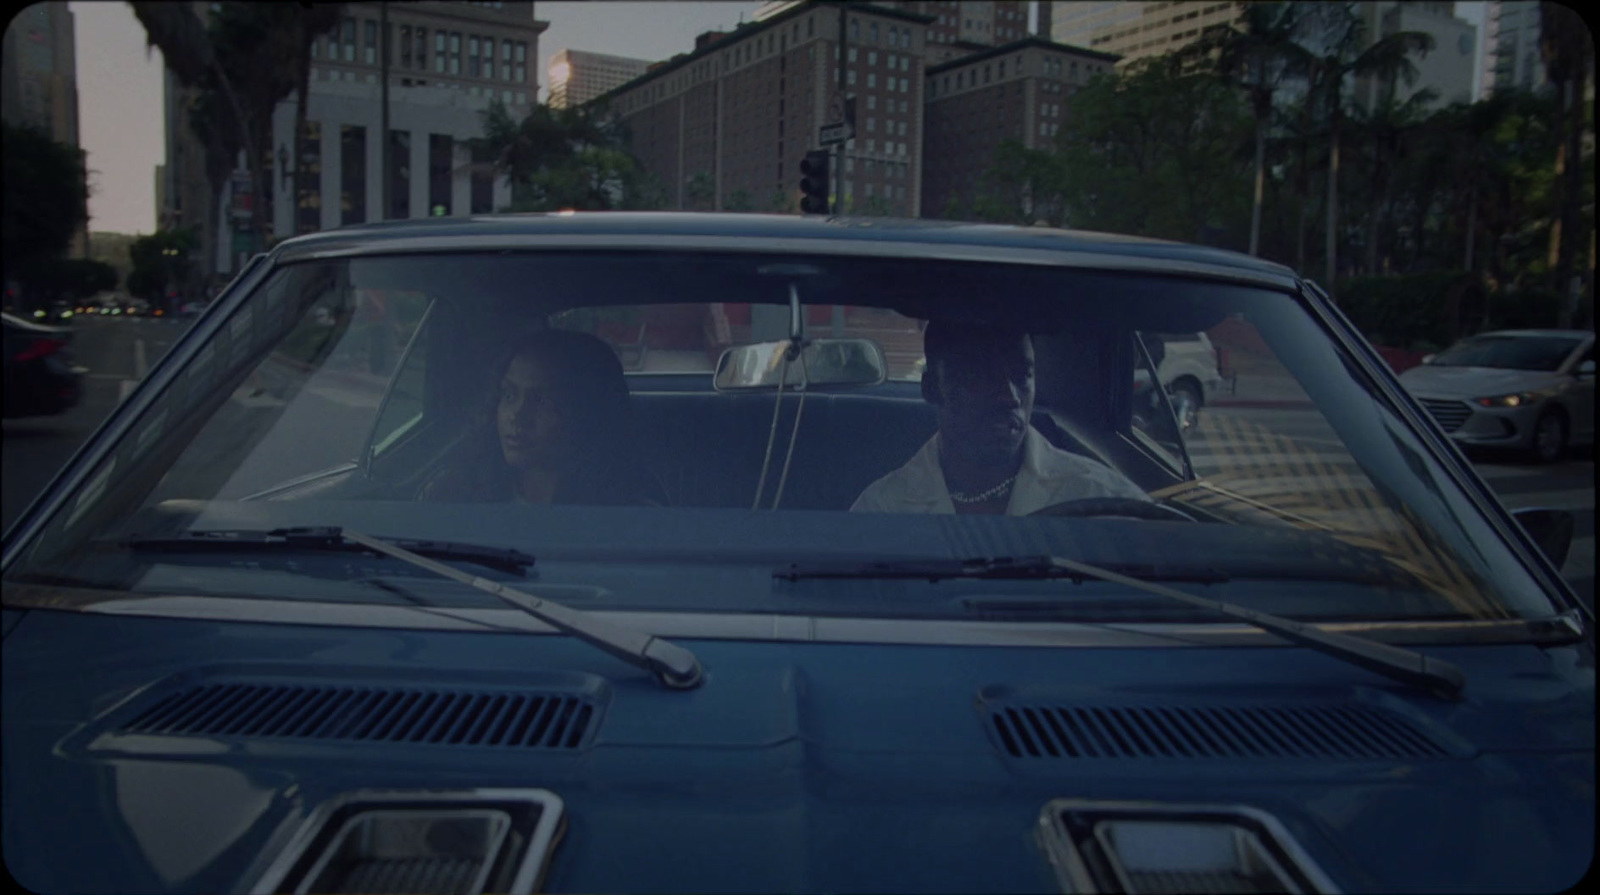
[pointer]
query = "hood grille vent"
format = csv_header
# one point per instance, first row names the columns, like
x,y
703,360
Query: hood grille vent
x,y
367,714
1350,732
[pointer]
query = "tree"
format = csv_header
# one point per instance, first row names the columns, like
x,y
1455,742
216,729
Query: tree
x,y
565,158
1343,52
739,200
160,261
1156,151
1022,186
700,190
1259,57
46,195
1567,49
243,60
69,279
1386,130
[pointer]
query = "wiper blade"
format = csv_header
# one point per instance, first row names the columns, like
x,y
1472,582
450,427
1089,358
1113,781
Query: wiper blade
x,y
501,559
673,665
1433,675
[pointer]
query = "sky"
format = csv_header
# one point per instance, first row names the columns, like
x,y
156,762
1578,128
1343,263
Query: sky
x,y
119,84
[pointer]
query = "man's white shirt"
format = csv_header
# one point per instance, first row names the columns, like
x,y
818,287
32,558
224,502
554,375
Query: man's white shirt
x,y
1048,476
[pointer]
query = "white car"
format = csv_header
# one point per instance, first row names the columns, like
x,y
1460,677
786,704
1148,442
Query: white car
x,y
1188,368
1530,390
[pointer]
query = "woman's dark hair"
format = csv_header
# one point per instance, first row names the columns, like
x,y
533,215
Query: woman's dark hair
x,y
593,394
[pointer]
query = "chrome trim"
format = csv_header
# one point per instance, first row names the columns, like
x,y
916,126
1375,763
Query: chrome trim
x,y
784,628
1060,847
535,855
798,245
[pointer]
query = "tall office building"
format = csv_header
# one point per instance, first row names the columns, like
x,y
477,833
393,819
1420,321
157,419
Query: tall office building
x,y
39,80
725,127
577,77
1511,47
1134,30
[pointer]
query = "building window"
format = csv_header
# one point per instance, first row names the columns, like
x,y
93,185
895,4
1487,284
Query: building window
x,y
855,29
308,180
455,52
371,54
522,58
872,103
488,58
872,32
405,46
852,54
439,164
399,175
349,40
505,59
872,80
850,77
474,65
872,124
905,85
352,174
903,107
439,57
872,57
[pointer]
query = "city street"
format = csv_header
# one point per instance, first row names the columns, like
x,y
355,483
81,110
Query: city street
x,y
119,351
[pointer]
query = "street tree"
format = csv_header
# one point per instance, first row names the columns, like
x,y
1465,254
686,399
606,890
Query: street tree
x,y
1566,47
46,191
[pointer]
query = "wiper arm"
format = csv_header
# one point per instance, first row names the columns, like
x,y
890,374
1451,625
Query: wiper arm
x,y
500,559
1433,675
673,665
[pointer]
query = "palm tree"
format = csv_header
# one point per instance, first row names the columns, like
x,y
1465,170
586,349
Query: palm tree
x,y
1260,56
1567,48
1345,53
1388,128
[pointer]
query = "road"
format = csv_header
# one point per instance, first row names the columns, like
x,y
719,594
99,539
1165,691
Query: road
x,y
119,351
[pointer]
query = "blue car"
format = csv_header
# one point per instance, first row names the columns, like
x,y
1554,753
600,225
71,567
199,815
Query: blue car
x,y
625,552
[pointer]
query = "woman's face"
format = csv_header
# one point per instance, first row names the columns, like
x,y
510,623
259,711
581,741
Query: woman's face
x,y
534,431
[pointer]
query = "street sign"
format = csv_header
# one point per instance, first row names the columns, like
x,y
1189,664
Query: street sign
x,y
841,122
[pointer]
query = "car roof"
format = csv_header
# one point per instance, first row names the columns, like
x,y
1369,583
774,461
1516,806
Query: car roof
x,y
1537,333
781,233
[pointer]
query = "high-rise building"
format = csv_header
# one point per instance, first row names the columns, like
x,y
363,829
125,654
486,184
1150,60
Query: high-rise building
x,y
1133,30
725,127
1447,69
968,26
447,62
39,80
577,77
1019,91
1511,47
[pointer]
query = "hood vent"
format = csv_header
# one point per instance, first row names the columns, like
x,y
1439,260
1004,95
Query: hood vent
x,y
1334,732
517,720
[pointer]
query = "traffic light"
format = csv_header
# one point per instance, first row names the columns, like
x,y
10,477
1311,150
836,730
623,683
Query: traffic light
x,y
814,182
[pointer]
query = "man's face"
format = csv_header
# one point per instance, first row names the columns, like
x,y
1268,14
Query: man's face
x,y
533,430
986,387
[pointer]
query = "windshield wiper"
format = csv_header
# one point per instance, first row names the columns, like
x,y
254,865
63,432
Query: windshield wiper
x,y
501,559
673,665
1433,675
1003,568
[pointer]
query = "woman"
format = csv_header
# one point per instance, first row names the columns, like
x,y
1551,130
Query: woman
x,y
557,432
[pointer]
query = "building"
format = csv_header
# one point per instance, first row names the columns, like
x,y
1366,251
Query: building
x,y
577,77
39,80
1511,47
1447,70
1018,91
725,127
983,24
447,62
1133,30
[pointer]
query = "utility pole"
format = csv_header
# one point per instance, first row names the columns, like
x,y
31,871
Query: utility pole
x,y
383,88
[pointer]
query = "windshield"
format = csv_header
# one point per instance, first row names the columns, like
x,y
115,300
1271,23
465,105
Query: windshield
x,y
1542,353
564,405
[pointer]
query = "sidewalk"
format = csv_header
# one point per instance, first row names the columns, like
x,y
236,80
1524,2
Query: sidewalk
x,y
1260,383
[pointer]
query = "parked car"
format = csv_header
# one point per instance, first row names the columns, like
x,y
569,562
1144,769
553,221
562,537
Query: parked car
x,y
1187,367
1529,390
41,378
251,646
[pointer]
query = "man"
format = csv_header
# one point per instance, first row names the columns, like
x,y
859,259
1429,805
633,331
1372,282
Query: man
x,y
986,457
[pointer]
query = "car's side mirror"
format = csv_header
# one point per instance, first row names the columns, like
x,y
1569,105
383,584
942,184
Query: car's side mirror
x,y
1586,368
1550,529
827,362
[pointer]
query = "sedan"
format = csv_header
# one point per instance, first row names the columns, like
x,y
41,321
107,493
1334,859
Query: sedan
x,y
452,601
1527,390
41,378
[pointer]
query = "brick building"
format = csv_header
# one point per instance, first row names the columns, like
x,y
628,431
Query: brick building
x,y
1018,91
725,127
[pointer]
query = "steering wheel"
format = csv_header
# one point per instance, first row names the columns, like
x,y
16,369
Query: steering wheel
x,y
1126,507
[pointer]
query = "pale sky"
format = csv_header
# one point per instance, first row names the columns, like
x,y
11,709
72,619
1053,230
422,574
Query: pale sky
x,y
119,88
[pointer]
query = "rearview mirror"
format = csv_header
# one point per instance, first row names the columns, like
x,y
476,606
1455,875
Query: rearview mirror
x,y
1550,529
828,362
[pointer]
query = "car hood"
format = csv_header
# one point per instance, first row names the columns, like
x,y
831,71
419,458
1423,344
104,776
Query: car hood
x,y
799,765
1473,382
